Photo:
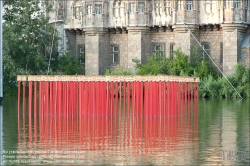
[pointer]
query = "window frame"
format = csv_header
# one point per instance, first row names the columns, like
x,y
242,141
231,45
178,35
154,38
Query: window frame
x,y
89,9
203,44
171,51
98,9
162,52
81,54
132,8
141,8
113,52
77,9
189,5
236,4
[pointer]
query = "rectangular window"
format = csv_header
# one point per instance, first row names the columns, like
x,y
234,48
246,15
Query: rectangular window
x,y
115,54
236,4
159,49
131,7
189,5
141,7
89,9
82,54
172,51
205,48
167,6
98,9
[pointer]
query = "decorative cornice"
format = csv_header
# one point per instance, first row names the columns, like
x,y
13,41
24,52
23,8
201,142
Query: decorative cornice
x,y
231,27
181,28
94,31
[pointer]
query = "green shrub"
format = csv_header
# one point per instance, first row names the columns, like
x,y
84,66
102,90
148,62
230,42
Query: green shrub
x,y
118,71
69,65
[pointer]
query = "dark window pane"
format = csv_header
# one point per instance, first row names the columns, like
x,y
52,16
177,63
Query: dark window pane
x,y
116,58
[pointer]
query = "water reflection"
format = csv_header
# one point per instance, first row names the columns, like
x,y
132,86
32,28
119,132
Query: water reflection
x,y
221,129
53,138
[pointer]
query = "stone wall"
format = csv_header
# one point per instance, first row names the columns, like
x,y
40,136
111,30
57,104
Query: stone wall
x,y
91,53
229,50
104,52
214,38
245,56
166,37
121,40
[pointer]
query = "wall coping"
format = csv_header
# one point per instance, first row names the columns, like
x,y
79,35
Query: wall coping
x,y
83,78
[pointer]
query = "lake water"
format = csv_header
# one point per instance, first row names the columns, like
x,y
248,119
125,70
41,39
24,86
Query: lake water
x,y
217,133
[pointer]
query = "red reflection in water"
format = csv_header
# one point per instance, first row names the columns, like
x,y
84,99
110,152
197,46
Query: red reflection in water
x,y
144,117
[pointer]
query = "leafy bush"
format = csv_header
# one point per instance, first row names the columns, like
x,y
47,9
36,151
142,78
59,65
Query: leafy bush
x,y
156,64
69,65
118,71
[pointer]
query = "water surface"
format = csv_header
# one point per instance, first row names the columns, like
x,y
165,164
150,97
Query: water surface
x,y
216,133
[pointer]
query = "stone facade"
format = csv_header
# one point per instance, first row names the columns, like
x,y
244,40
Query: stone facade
x,y
115,32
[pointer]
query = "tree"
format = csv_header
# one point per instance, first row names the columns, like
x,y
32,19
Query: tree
x,y
27,37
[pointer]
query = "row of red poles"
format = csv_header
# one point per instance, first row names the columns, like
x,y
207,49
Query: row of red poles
x,y
81,99
152,115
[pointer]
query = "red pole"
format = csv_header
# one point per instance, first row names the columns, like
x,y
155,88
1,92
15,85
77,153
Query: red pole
x,y
116,98
133,99
18,98
24,97
35,111
30,113
112,99
145,99
128,96
120,97
124,97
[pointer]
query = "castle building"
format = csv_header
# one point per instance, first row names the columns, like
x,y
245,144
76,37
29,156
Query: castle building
x,y
107,33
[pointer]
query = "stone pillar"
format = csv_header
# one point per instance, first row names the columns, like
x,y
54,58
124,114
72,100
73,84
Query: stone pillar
x,y
96,50
232,37
184,39
135,45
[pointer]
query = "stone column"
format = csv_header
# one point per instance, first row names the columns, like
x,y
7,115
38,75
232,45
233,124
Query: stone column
x,y
183,38
135,45
232,37
96,50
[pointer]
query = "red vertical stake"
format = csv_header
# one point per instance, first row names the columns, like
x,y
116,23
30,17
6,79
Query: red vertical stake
x,y
30,112
35,109
133,100
24,97
18,97
124,97
141,99
120,97
128,97
164,99
145,101
116,99
112,99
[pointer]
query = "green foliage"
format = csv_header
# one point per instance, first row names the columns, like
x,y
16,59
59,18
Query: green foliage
x,y
26,39
69,65
212,84
156,64
180,64
118,71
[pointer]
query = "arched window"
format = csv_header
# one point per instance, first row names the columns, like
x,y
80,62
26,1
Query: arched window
x,y
77,10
